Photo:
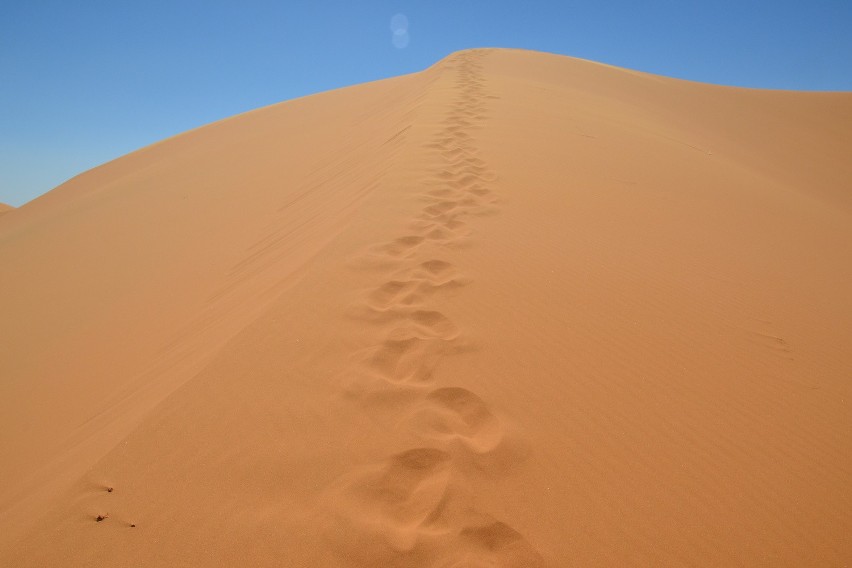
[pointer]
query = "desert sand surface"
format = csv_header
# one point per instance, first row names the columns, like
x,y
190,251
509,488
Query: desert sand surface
x,y
515,310
5,208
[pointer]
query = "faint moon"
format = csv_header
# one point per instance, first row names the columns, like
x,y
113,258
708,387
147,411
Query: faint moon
x,y
399,29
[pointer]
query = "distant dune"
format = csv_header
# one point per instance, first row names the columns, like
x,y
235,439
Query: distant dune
x,y
5,208
516,310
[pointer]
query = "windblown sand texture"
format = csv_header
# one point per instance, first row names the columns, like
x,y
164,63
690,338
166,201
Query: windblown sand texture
x,y
516,310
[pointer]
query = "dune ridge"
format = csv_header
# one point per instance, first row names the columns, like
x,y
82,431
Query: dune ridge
x,y
517,309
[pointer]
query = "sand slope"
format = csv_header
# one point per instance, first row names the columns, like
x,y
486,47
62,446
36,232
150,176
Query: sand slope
x,y
515,310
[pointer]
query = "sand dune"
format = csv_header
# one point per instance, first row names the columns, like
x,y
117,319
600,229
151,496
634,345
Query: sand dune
x,y
515,310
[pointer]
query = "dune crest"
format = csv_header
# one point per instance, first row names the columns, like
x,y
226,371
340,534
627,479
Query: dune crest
x,y
515,310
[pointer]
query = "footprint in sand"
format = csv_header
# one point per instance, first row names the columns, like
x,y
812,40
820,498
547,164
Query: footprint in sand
x,y
415,322
436,267
416,284
492,545
479,191
410,287
463,166
468,180
387,255
402,245
411,359
455,414
394,293
454,153
396,501
443,235
455,228
440,208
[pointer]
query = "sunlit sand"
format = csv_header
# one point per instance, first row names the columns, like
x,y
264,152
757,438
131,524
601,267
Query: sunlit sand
x,y
516,310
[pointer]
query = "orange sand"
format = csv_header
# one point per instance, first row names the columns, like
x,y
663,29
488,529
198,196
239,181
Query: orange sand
x,y
515,310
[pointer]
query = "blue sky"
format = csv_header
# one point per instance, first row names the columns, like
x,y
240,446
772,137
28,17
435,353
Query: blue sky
x,y
83,82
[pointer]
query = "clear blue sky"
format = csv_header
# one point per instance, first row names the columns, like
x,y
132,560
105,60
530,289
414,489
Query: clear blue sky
x,y
83,82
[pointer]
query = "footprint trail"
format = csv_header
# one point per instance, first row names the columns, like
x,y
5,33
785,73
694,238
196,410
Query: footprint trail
x,y
415,508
